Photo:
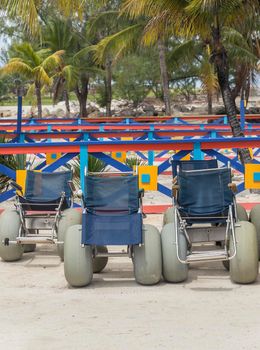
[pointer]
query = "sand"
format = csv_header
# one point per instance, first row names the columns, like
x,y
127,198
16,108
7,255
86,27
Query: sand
x,y
39,310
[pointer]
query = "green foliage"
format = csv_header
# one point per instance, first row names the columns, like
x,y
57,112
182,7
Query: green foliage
x,y
101,94
94,165
5,86
134,161
136,76
185,88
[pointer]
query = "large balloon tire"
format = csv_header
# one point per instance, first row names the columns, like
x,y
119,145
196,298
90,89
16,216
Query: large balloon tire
x,y
100,263
242,216
244,266
78,267
168,216
70,217
173,269
147,258
255,219
241,213
9,228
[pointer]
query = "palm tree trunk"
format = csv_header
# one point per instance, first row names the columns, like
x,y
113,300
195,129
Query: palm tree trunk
x,y
164,77
209,97
219,56
240,77
247,89
82,98
39,99
82,95
108,86
67,101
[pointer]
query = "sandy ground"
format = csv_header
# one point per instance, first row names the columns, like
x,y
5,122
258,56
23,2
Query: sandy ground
x,y
39,310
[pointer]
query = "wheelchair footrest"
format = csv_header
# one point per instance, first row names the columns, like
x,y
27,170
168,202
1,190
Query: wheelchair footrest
x,y
111,255
211,255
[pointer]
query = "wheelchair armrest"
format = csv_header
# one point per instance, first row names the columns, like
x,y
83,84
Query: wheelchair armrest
x,y
141,193
16,186
233,187
72,186
175,189
79,194
174,180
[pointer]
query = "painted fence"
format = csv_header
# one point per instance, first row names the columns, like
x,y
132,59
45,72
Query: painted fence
x,y
62,140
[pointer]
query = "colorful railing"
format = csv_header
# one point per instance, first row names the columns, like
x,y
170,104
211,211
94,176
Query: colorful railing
x,y
70,138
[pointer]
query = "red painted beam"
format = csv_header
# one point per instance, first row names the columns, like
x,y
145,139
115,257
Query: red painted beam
x,y
108,146
121,118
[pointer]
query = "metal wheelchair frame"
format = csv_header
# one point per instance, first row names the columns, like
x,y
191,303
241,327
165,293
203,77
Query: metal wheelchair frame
x,y
205,233
33,221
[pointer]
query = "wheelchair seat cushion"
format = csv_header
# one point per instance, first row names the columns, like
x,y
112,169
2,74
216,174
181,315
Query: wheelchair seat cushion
x,y
116,229
35,205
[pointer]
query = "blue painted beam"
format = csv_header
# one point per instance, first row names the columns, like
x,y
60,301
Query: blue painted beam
x,y
7,171
110,161
234,164
141,155
7,195
40,166
61,161
165,190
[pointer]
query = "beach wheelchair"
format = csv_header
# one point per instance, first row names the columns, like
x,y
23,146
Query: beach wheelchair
x,y
196,165
205,212
112,216
41,214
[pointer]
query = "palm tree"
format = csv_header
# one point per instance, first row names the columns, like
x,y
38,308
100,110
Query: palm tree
x,y
128,39
191,59
101,26
58,35
36,66
243,50
206,18
28,10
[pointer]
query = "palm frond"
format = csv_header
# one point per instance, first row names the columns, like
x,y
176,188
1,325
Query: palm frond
x,y
118,42
53,61
68,8
186,51
103,20
84,52
41,76
16,66
27,11
26,52
31,91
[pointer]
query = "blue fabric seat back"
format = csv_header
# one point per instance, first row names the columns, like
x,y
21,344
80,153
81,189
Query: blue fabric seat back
x,y
193,165
111,216
47,187
204,192
116,193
